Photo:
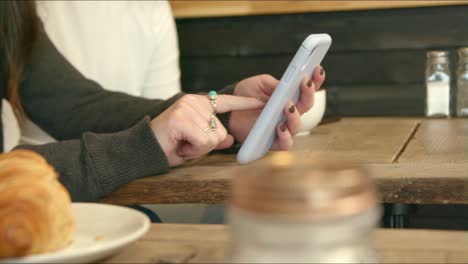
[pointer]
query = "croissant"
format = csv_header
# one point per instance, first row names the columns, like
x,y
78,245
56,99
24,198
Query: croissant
x,y
35,209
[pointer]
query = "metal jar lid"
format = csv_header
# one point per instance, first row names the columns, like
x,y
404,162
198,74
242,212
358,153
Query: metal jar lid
x,y
463,54
437,56
310,189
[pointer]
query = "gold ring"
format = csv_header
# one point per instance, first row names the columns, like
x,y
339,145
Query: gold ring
x,y
212,124
208,129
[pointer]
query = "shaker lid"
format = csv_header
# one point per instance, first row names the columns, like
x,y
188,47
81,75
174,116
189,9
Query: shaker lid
x,y
463,54
463,51
436,53
311,188
437,56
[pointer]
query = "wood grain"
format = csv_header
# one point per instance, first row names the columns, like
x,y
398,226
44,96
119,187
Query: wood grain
x,y
376,142
398,183
171,243
364,31
439,141
383,83
198,184
440,183
190,9
378,100
371,67
368,140
375,65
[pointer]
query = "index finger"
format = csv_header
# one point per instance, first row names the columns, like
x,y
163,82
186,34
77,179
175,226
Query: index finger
x,y
228,103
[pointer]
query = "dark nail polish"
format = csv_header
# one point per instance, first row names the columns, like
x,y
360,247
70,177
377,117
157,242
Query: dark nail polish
x,y
283,127
262,100
292,109
322,71
309,83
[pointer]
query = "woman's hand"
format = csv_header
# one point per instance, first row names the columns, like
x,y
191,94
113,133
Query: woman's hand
x,y
262,87
183,129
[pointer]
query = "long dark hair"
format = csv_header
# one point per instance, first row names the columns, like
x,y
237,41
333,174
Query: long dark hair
x,y
19,27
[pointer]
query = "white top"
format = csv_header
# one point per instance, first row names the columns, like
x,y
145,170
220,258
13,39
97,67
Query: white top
x,y
11,130
126,46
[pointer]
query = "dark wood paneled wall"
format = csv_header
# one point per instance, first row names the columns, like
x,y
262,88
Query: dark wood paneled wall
x,y
375,66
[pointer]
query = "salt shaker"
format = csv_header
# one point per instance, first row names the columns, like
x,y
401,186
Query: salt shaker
x,y
285,211
437,84
462,83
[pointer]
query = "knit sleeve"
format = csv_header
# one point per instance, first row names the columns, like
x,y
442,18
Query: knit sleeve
x,y
65,104
97,164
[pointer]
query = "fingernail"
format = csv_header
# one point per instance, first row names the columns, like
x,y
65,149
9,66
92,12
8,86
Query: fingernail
x,y
292,109
283,127
322,71
309,83
261,100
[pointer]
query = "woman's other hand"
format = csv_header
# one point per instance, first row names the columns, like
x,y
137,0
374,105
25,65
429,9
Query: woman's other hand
x,y
262,87
183,130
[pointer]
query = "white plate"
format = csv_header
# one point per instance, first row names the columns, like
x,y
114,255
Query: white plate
x,y
101,230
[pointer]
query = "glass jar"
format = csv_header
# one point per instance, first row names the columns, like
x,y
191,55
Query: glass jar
x,y
462,83
437,84
284,211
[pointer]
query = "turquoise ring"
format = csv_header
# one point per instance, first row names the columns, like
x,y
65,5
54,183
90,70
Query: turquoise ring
x,y
212,96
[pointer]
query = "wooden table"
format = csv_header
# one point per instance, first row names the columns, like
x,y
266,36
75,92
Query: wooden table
x,y
170,243
422,161
194,9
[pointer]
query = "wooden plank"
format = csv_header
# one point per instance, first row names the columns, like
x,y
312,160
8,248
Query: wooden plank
x,y
172,243
198,184
375,67
193,9
210,184
421,246
378,100
374,141
379,84
364,68
375,100
368,140
428,28
440,183
437,141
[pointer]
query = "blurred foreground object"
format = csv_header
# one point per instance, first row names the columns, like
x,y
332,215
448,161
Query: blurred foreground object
x,y
35,209
287,211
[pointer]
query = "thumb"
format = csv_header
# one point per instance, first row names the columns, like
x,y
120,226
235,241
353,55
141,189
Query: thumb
x,y
226,143
229,103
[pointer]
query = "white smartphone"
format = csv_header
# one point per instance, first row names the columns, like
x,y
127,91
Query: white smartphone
x,y
263,134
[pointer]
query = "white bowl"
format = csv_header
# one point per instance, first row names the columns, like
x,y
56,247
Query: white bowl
x,y
313,117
